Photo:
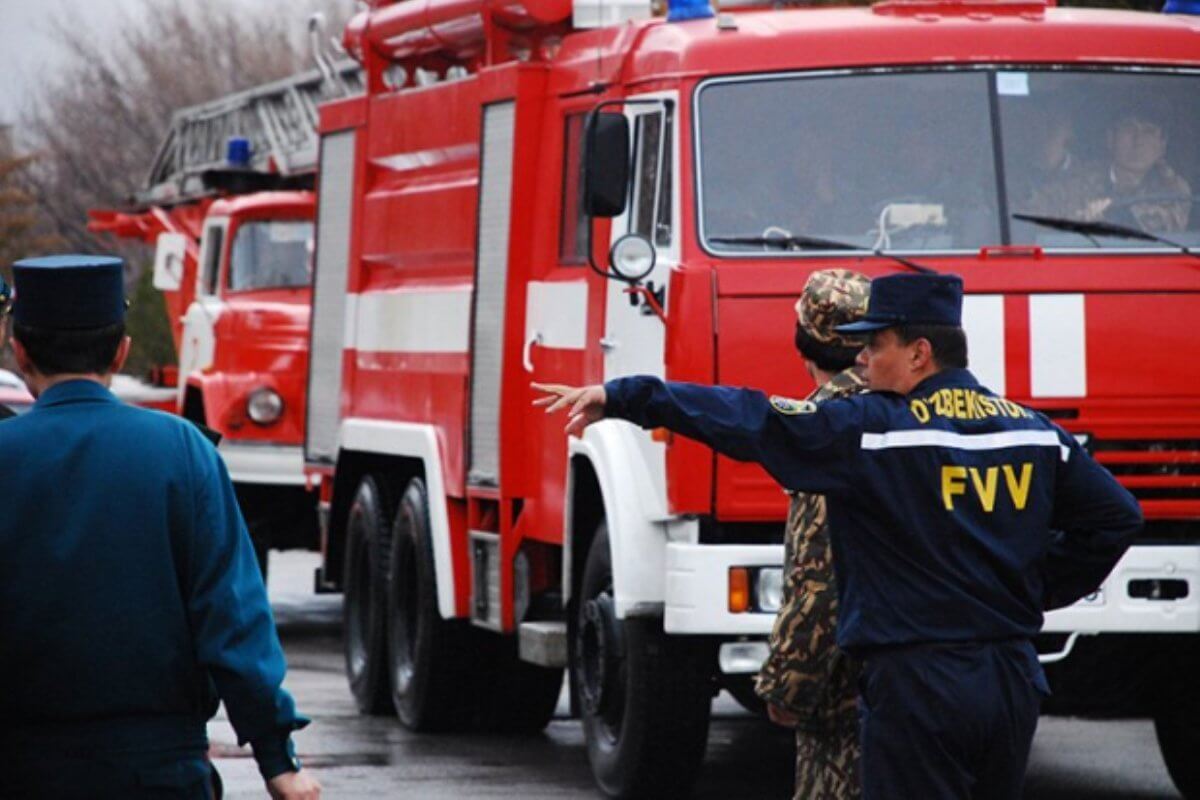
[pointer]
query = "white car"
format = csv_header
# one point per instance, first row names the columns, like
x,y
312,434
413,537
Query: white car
x,y
14,393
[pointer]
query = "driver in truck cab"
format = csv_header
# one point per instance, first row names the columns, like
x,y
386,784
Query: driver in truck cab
x,y
957,518
1140,187
1132,185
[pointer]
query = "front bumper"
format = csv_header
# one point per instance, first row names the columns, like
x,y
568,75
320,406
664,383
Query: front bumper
x,y
697,595
273,464
697,600
1115,608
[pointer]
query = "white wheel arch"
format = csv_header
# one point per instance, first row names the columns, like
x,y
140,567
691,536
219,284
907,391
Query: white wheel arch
x,y
410,440
635,511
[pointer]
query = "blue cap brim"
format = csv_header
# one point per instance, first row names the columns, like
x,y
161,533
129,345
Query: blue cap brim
x,y
865,326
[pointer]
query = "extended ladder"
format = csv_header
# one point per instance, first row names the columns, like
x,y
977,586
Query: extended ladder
x,y
279,119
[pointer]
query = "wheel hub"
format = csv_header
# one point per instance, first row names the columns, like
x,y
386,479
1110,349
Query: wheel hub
x,y
599,652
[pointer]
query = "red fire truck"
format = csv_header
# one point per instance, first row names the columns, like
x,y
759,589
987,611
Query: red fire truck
x,y
229,208
530,191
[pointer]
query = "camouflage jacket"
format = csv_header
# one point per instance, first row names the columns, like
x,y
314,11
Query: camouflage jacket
x,y
805,672
1161,203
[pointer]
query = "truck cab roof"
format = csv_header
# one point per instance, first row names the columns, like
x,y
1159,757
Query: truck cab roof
x,y
886,34
265,203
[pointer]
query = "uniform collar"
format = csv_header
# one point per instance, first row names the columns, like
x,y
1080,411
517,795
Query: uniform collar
x,y
943,379
75,391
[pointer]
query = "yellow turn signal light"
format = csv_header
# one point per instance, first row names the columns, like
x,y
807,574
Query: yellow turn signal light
x,y
739,590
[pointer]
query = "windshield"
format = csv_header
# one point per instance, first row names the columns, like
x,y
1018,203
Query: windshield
x,y
271,255
939,160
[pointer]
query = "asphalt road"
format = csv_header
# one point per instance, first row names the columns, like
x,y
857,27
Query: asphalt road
x,y
365,757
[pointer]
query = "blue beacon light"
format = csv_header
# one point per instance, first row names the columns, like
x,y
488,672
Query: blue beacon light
x,y
237,151
1182,7
683,10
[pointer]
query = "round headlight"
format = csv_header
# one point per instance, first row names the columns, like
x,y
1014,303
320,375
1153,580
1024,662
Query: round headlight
x,y
632,257
264,406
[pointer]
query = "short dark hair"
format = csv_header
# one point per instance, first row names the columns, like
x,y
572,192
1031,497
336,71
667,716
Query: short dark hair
x,y
827,356
948,342
88,351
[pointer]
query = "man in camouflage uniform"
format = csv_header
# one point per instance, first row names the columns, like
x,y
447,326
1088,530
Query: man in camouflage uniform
x,y
1137,188
807,682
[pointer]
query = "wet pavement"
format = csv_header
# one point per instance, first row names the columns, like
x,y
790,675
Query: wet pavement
x,y
373,757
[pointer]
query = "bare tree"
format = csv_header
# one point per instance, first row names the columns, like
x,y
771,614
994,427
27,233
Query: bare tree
x,y
19,231
97,123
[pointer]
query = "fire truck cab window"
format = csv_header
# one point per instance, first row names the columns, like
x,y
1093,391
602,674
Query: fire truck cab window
x,y
651,215
572,243
214,240
271,255
900,161
1102,146
939,160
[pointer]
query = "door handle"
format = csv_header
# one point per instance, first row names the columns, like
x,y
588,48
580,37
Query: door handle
x,y
527,352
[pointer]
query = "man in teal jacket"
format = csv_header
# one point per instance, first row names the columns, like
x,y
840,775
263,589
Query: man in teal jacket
x,y
130,598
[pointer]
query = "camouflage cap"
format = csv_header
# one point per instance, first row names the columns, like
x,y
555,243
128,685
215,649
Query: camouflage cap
x,y
833,297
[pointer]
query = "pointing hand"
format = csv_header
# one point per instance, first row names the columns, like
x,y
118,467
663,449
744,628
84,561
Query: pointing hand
x,y
586,403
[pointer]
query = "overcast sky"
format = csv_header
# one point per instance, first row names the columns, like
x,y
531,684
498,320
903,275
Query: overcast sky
x,y
27,51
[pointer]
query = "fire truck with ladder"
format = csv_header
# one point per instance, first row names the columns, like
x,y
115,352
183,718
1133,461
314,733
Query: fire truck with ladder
x,y
534,191
228,206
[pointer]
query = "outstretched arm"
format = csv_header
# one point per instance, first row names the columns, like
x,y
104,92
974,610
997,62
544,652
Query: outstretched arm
x,y
803,447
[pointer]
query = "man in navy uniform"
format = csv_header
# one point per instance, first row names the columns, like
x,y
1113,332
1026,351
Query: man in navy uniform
x,y
130,598
957,518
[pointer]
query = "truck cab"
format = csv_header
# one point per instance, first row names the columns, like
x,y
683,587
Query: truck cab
x,y
243,354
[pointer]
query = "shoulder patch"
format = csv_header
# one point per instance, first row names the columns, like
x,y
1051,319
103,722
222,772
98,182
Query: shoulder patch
x,y
786,405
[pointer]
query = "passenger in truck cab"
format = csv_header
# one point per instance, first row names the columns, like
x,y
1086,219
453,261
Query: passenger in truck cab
x,y
808,683
957,518
1048,175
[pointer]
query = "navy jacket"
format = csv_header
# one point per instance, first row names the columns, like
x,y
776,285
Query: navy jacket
x,y
130,598
956,515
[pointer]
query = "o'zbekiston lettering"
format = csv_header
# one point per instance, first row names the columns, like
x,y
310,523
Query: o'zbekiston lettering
x,y
963,404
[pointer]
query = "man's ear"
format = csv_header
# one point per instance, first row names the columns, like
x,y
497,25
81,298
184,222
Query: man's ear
x,y
922,354
122,354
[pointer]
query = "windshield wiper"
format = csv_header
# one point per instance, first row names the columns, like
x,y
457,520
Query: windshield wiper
x,y
802,242
787,242
1101,228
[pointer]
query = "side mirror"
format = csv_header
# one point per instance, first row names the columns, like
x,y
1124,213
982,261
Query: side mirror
x,y
606,164
168,261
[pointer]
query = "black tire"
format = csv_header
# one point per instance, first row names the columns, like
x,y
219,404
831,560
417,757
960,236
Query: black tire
x,y
364,630
429,659
1179,741
644,696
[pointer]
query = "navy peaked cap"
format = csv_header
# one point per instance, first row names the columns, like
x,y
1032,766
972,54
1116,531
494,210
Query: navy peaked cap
x,y
910,300
70,292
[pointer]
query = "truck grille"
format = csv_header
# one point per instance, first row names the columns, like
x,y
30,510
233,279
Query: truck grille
x,y
1163,474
